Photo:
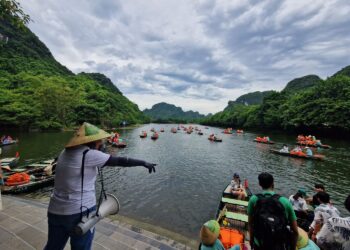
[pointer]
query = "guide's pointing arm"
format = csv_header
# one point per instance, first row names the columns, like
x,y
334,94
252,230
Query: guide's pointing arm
x,y
130,162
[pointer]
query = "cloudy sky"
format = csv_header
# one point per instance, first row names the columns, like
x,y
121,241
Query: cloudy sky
x,y
195,54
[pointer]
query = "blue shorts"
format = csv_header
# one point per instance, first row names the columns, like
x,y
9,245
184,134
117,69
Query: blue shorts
x,y
61,228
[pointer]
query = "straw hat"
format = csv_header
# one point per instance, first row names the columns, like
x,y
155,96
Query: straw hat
x,y
87,133
210,232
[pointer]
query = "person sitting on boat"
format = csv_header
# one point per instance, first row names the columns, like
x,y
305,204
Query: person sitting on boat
x,y
73,195
237,188
299,204
296,149
209,236
335,234
318,143
322,213
285,149
309,151
313,201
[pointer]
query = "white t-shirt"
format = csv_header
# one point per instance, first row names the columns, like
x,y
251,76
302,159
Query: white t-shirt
x,y
235,185
335,234
66,197
323,212
299,204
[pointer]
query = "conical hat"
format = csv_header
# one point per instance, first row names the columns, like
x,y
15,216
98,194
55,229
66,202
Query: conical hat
x,y
87,133
210,232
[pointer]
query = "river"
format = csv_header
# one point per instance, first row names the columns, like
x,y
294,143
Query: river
x,y
192,171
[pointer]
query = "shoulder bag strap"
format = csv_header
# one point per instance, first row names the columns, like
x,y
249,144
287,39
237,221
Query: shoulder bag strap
x,y
82,185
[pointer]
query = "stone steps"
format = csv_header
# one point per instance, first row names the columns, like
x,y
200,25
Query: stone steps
x,y
23,225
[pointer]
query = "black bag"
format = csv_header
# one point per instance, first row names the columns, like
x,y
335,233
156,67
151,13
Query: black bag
x,y
270,223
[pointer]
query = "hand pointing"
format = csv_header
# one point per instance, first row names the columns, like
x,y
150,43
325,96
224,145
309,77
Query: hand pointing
x,y
150,167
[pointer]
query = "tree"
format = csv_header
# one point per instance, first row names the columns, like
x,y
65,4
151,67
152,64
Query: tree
x,y
12,10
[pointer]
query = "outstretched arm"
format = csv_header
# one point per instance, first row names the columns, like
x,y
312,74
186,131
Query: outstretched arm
x,y
129,162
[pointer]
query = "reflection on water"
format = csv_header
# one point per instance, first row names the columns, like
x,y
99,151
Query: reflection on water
x,y
192,172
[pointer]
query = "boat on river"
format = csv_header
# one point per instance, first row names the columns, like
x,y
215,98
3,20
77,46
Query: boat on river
x,y
314,157
119,144
214,138
174,130
9,162
8,143
314,145
155,136
38,178
233,218
143,134
261,140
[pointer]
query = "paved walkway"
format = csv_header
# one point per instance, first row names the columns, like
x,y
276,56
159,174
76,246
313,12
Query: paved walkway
x,y
23,225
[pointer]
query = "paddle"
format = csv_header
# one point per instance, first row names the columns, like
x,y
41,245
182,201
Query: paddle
x,y
222,213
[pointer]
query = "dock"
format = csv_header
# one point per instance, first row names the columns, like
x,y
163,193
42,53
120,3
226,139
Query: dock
x,y
23,225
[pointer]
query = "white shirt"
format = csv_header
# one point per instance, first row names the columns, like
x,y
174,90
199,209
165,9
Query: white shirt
x,y
299,204
66,197
235,185
323,212
335,234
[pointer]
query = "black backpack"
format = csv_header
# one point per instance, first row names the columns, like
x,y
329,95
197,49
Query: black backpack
x,y
270,223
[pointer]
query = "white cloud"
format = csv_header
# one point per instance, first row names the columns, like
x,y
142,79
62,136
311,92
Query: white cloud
x,y
195,54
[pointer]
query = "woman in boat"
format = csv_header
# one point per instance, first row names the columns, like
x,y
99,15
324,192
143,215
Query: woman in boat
x,y
74,190
237,188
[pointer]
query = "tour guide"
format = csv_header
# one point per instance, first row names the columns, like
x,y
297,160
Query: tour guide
x,y
65,203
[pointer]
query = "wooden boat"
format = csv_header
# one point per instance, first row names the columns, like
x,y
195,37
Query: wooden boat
x,y
38,178
30,168
143,134
119,144
153,130
2,144
174,130
200,133
265,142
11,162
314,157
214,138
233,218
155,136
239,131
301,143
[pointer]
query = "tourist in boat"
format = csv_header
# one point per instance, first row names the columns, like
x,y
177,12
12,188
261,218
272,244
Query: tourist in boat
x,y
260,209
237,188
309,152
335,234
299,203
285,149
296,149
71,199
313,201
209,236
322,213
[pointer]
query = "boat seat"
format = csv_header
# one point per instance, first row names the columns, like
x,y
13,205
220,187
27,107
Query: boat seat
x,y
38,165
236,216
235,202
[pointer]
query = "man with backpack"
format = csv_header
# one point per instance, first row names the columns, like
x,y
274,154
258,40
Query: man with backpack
x,y
272,220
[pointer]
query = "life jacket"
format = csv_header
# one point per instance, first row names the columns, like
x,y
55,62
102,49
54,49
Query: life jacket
x,y
17,179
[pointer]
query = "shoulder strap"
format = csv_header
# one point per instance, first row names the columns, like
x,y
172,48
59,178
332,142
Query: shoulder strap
x,y
276,197
82,184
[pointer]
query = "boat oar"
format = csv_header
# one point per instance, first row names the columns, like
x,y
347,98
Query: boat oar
x,y
222,213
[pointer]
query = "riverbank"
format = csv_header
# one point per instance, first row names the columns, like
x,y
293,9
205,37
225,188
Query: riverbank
x,y
23,225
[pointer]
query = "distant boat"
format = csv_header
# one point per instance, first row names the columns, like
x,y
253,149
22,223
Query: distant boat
x,y
155,136
143,134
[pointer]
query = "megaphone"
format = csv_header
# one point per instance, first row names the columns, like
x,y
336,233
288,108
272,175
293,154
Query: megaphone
x,y
109,206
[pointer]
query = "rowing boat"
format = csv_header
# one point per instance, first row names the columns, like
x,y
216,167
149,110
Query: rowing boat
x,y
119,144
301,143
314,157
38,178
8,143
265,142
233,218
11,162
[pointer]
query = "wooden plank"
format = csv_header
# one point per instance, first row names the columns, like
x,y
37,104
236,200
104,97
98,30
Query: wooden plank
x,y
236,216
235,202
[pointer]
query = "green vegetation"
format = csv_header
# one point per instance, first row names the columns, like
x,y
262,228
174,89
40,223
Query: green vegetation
x,y
164,113
38,92
302,104
253,98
